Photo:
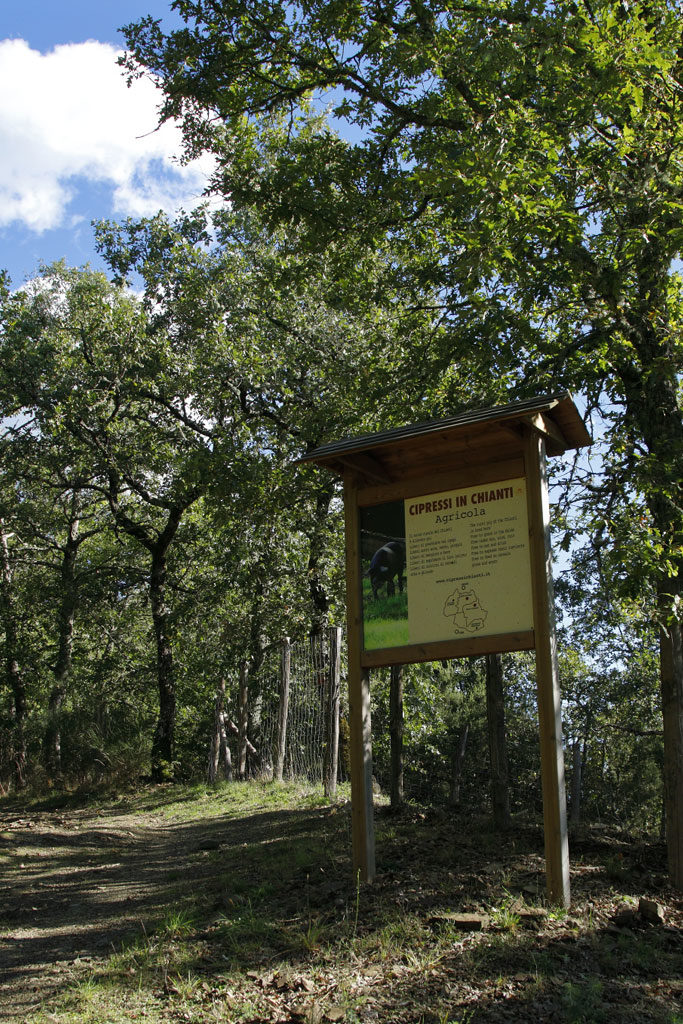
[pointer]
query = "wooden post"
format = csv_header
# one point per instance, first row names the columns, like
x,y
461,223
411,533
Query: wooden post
x,y
547,677
332,715
283,710
243,720
360,736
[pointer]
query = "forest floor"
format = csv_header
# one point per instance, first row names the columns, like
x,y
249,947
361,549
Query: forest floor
x,y
238,904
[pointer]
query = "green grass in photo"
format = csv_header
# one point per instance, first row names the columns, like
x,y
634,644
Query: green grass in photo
x,y
385,619
385,633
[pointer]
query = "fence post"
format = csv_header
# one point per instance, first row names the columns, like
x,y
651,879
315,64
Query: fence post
x,y
331,763
283,710
243,720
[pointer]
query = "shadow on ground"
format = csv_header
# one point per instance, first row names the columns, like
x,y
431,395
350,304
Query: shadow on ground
x,y
73,889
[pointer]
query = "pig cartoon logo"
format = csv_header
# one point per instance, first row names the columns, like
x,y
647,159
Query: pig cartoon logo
x,y
464,608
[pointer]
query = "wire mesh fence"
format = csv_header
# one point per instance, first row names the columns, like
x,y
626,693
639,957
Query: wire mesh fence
x,y
293,708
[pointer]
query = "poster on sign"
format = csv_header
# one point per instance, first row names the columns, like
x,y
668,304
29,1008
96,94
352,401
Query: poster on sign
x,y
383,569
449,565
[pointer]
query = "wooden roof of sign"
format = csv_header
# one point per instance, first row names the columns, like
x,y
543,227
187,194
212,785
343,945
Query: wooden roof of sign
x,y
469,438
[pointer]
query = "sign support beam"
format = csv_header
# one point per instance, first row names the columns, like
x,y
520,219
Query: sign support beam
x,y
547,676
360,733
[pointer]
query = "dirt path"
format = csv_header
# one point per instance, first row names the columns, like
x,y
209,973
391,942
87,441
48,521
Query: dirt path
x,y
77,885
73,887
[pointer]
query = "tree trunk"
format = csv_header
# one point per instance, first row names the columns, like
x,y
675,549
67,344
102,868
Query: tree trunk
x,y
52,740
651,389
158,543
671,665
331,766
283,711
163,744
457,761
219,751
224,749
243,721
396,734
495,715
52,737
250,748
13,676
214,747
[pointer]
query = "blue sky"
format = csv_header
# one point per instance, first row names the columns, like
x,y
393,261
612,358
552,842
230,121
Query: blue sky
x,y
76,144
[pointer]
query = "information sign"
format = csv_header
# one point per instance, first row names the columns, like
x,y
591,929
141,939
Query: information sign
x,y
448,565
447,528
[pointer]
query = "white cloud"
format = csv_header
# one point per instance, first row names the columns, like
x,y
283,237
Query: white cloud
x,y
66,116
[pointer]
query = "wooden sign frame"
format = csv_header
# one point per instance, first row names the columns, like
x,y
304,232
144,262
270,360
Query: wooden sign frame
x,y
472,449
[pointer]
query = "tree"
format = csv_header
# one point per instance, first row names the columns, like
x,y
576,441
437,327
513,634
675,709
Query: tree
x,y
188,408
525,162
14,680
319,356
79,354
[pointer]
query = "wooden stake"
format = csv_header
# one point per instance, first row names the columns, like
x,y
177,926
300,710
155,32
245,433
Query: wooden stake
x,y
547,678
243,720
360,735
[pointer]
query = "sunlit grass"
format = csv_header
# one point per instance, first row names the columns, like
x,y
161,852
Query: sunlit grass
x,y
387,633
224,799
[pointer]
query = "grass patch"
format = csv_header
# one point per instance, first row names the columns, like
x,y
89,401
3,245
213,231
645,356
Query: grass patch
x,y
385,633
384,606
385,619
